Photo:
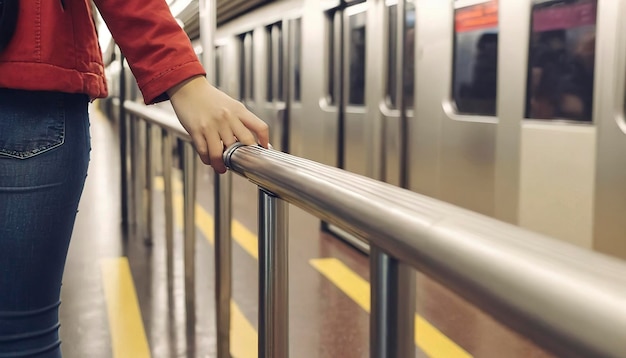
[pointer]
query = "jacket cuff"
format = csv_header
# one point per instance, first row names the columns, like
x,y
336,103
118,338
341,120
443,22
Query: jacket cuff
x,y
155,90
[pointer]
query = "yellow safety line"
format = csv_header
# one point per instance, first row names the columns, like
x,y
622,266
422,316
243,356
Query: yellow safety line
x,y
244,343
127,332
434,343
244,237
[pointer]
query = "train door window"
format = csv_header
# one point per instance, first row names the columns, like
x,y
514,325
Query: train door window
x,y
269,51
275,62
562,60
409,54
407,73
278,45
219,55
246,67
331,50
392,64
357,30
297,58
474,83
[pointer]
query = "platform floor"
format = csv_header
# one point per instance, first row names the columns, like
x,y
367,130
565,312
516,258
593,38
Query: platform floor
x,y
329,289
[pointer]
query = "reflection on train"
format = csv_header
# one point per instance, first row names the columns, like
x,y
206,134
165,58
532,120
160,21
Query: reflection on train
x,y
511,108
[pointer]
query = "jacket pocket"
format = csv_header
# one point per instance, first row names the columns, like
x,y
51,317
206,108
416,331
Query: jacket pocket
x,y
31,123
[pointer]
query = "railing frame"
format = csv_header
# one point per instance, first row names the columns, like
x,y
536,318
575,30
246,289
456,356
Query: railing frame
x,y
545,289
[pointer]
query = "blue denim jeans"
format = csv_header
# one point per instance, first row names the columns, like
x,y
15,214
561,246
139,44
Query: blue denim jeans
x,y
44,154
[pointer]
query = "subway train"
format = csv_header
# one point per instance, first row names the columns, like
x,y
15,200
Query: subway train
x,y
510,108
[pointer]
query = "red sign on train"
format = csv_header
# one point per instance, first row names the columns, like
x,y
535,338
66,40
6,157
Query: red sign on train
x,y
477,17
564,17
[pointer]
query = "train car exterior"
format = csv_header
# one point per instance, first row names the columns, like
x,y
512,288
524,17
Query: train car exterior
x,y
511,108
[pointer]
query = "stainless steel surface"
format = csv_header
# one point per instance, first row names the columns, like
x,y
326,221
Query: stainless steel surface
x,y
549,177
157,116
140,180
512,81
222,186
392,328
149,182
189,198
274,277
610,192
124,161
567,299
168,194
357,133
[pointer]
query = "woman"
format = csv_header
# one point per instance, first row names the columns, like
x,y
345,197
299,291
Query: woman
x,y
50,68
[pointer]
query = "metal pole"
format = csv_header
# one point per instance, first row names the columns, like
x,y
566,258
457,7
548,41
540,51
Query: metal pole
x,y
123,148
393,307
149,183
274,277
140,177
222,186
169,202
223,260
189,195
132,196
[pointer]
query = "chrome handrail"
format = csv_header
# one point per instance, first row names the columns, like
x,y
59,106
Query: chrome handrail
x,y
569,300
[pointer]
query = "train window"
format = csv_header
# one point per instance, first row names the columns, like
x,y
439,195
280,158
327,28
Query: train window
x,y
407,74
357,32
562,60
219,54
474,83
297,58
270,64
275,61
331,51
409,55
278,40
246,67
392,64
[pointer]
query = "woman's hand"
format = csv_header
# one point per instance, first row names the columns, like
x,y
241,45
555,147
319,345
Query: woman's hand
x,y
214,120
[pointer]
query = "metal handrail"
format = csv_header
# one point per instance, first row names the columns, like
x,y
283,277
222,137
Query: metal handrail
x,y
569,300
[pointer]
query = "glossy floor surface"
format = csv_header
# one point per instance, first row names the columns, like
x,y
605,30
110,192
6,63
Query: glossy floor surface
x,y
329,290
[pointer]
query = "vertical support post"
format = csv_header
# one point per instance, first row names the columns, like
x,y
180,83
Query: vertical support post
x,y
189,195
149,182
123,147
274,277
140,177
223,260
392,318
132,144
222,186
169,202
208,23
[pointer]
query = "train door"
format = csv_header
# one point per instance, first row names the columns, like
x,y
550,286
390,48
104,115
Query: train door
x,y
453,138
339,110
354,150
552,68
397,108
322,125
610,180
295,108
274,106
246,76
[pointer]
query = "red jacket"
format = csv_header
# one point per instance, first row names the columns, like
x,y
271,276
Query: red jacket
x,y
55,47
